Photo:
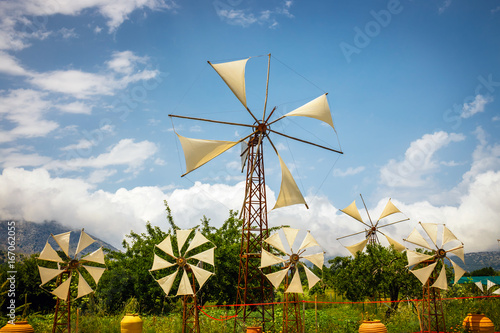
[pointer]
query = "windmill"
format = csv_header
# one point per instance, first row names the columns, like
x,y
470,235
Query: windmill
x,y
51,265
426,266
289,272
253,287
372,229
185,270
487,291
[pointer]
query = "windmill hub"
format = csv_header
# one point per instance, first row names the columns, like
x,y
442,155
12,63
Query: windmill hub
x,y
73,264
441,253
181,261
294,258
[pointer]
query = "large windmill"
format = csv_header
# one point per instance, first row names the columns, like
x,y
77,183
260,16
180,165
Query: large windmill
x,y
430,269
51,265
289,272
186,271
253,287
372,228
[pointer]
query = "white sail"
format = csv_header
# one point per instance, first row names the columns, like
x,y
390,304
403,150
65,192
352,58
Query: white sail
x,y
63,241
275,241
431,231
276,277
182,236
185,286
83,286
160,263
166,246
96,256
95,272
47,274
205,256
48,253
448,236
357,247
317,259
416,238
398,246
308,241
459,271
84,241
268,259
441,281
389,210
198,240
289,191
63,290
312,279
295,285
317,108
233,73
167,282
201,275
352,211
416,257
290,234
423,273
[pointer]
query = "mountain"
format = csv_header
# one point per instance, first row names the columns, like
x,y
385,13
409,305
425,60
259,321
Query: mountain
x,y
30,237
478,260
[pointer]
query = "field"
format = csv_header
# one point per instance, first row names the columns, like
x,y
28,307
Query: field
x,y
329,317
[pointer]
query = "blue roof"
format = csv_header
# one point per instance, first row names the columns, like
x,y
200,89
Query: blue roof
x,y
474,279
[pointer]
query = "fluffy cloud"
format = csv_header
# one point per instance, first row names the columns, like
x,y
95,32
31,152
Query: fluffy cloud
x,y
246,17
476,106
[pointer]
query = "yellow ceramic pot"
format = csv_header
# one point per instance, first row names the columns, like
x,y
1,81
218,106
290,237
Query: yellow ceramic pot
x,y
131,323
478,323
18,327
372,326
254,329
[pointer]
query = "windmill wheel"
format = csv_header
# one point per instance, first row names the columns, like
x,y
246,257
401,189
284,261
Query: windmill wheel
x,y
187,262
52,265
292,260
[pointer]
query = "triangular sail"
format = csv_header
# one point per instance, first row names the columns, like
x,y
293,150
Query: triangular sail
x,y
166,246
317,259
47,274
416,238
389,210
268,259
459,252
308,241
353,211
448,236
416,257
398,246
357,247
317,108
197,152
84,241
182,236
489,284
205,256
479,284
295,285
289,191
233,73
63,241
185,286
198,240
290,234
431,229
201,275
459,271
276,277
312,279
95,272
83,286
160,263
275,241
441,281
423,273
48,253
167,282
63,290
96,256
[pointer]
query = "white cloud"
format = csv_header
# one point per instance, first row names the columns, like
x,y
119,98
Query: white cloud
x,y
98,176
10,66
444,6
348,172
68,33
14,157
247,17
125,62
476,106
76,107
82,144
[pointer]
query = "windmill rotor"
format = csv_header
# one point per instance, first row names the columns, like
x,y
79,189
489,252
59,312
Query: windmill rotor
x,y
372,229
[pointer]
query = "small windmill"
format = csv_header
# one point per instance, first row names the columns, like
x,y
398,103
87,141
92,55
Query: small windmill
x,y
487,290
51,265
372,229
289,272
184,270
426,266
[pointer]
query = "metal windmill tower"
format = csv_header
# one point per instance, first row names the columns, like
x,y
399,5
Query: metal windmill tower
x,y
253,287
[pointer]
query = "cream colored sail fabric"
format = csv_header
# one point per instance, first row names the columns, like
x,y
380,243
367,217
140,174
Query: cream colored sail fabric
x,y
167,282
479,284
48,253
308,241
95,272
295,285
205,256
448,236
84,241
198,152
166,246
198,240
276,277
489,284
83,286
423,273
185,286
431,229
416,257
182,236
63,290
357,247
47,274
441,281
201,275
416,238
268,259
352,211
398,246
289,191
233,73
63,241
312,279
389,210
96,256
317,259
275,241
290,234
459,252
160,263
317,108
459,271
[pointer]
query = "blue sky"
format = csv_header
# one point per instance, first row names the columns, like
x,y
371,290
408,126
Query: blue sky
x,y
413,86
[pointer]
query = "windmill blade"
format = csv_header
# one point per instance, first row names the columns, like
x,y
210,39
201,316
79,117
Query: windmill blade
x,y
201,275
166,246
197,152
416,257
416,238
167,282
441,282
275,241
459,271
317,108
84,241
312,279
489,284
83,286
479,284
290,234
389,210
357,247
48,253
308,241
63,290
448,236
289,191
317,259
205,256
423,273
276,277
268,259
398,246
353,212
96,256
95,272
63,241
160,263
459,252
185,286
496,292
233,73
47,274
198,240
295,285
431,231
182,236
